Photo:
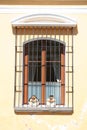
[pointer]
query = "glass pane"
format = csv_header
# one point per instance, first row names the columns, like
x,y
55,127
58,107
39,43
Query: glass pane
x,y
53,69
34,89
53,51
53,88
50,74
34,71
34,51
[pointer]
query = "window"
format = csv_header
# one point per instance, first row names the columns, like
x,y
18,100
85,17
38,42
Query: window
x,y
43,70
44,64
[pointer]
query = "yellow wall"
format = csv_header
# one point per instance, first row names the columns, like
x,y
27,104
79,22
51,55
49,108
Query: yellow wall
x,y
8,119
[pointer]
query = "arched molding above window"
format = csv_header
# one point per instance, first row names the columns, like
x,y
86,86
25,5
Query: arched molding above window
x,y
44,20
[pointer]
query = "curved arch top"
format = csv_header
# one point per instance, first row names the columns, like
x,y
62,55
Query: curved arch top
x,y
46,39
44,20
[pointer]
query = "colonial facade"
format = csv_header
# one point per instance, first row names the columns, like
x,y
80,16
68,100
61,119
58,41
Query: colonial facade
x,y
43,67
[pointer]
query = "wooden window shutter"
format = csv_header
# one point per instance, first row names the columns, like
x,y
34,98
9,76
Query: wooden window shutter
x,y
25,94
43,74
63,75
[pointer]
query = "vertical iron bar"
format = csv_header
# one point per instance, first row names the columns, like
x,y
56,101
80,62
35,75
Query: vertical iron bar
x,y
59,59
23,76
47,85
28,62
72,72
41,64
64,68
24,34
55,33
19,68
68,69
37,65
25,92
50,60
23,72
43,76
29,33
65,57
32,62
15,67
35,58
25,41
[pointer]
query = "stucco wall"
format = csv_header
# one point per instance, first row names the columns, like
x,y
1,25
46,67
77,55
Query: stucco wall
x,y
8,119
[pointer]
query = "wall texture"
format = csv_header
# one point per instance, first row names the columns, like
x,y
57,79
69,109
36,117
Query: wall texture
x,y
8,119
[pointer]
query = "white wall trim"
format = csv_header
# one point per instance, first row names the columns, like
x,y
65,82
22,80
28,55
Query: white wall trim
x,y
43,9
44,20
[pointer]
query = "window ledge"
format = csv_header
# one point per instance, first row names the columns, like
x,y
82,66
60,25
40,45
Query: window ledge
x,y
43,110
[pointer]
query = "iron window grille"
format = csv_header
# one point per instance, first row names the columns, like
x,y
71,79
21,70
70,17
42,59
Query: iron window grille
x,y
44,69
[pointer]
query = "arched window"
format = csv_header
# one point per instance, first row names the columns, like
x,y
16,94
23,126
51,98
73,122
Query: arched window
x,y
44,64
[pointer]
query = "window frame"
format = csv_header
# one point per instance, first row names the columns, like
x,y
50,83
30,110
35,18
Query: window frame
x,y
43,69
21,28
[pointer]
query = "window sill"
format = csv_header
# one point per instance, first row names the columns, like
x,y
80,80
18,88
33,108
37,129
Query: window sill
x,y
44,110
